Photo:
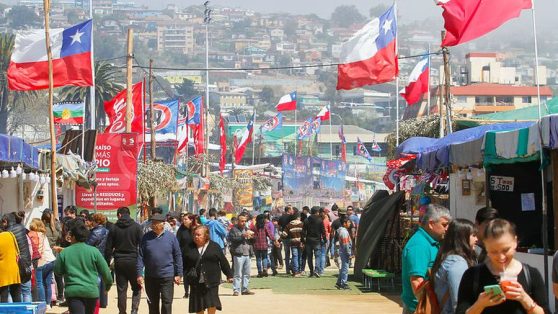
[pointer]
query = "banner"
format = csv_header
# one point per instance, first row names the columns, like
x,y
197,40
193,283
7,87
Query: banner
x,y
297,174
165,120
116,158
332,178
116,111
244,194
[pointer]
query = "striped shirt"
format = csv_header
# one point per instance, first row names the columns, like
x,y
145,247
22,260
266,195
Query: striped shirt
x,y
344,240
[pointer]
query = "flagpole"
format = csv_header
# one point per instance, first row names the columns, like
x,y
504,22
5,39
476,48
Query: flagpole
x,y
330,136
295,133
253,135
429,75
129,108
92,109
396,83
541,153
53,196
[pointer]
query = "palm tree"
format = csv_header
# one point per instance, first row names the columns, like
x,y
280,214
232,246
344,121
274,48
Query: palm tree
x,y
9,100
105,89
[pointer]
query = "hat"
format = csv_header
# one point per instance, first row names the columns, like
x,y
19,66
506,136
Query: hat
x,y
342,211
158,217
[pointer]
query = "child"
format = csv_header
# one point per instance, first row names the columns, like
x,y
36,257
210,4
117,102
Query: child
x,y
344,253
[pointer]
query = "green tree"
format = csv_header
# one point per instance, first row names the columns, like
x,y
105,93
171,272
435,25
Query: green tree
x,y
73,16
186,90
267,95
346,15
21,17
10,100
106,88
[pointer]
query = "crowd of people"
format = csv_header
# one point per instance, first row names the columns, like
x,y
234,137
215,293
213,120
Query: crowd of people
x,y
470,266
74,261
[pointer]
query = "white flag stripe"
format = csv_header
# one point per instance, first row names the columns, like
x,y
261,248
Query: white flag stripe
x,y
362,46
30,45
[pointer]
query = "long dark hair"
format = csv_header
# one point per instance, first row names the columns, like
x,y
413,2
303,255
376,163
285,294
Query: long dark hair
x,y
456,242
260,221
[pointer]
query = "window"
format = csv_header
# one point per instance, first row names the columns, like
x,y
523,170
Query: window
x,y
504,100
526,99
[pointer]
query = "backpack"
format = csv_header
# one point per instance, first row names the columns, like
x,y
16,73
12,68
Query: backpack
x,y
427,300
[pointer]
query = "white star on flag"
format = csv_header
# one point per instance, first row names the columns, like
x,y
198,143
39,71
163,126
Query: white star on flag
x,y
387,26
76,37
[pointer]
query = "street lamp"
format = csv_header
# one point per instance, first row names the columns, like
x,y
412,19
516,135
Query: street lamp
x,y
206,21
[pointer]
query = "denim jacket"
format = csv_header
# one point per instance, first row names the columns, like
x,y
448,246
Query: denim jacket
x,y
449,276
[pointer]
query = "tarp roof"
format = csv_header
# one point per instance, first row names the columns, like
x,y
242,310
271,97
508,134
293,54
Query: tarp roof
x,y
15,150
530,113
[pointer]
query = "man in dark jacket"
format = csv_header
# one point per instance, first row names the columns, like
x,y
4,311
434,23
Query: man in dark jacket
x,y
283,222
15,227
314,235
159,253
241,239
123,243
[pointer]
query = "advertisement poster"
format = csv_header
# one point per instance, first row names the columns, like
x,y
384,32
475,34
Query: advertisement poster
x,y
332,178
297,175
116,158
244,195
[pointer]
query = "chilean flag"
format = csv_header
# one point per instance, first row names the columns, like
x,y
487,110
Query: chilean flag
x,y
465,20
287,102
343,143
418,83
223,142
370,57
324,114
71,58
245,140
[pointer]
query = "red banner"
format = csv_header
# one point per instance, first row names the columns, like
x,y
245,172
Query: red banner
x,y
116,158
223,142
116,111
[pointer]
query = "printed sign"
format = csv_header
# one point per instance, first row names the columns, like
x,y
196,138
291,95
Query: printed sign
x,y
116,158
500,183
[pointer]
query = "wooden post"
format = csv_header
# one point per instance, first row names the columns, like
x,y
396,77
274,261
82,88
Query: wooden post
x,y
151,112
129,57
53,196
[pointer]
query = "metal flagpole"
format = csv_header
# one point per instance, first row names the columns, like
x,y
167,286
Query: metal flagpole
x,y
330,136
396,83
541,153
253,135
429,75
92,109
296,136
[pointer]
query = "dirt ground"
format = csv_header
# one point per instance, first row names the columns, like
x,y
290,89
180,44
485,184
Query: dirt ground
x,y
269,302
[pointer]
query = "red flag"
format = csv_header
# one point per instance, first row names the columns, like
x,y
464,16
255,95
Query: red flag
x,y
116,111
466,20
245,140
418,83
223,141
199,139
287,102
343,152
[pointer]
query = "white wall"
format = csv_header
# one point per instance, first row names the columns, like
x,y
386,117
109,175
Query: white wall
x,y
466,206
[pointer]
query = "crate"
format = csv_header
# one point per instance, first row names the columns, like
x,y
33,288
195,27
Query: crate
x,y
23,308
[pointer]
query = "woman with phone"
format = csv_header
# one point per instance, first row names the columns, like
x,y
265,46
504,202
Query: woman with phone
x,y
501,284
455,256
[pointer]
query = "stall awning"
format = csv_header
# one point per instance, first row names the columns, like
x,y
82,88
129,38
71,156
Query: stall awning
x,y
15,150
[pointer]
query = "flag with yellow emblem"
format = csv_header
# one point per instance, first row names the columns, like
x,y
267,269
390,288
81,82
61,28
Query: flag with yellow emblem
x,y
69,113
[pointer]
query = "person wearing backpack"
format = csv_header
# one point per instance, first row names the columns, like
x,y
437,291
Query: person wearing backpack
x,y
456,255
420,252
522,286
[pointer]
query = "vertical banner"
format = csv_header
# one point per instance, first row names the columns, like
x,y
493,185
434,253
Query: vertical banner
x,y
165,119
297,175
116,157
244,194
332,178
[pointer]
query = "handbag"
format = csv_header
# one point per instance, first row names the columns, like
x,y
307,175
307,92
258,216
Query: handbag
x,y
24,266
195,275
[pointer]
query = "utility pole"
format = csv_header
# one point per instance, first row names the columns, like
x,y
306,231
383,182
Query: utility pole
x,y
129,57
206,20
447,84
151,112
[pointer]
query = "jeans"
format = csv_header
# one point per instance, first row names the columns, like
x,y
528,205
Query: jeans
x,y
125,271
295,261
82,305
159,289
313,251
59,287
344,269
323,256
26,292
261,260
241,273
276,256
13,290
43,275
287,247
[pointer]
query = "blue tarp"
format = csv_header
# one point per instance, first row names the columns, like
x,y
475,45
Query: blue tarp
x,y
431,157
14,149
414,145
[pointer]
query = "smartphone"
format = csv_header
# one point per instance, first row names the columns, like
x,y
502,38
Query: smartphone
x,y
493,289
